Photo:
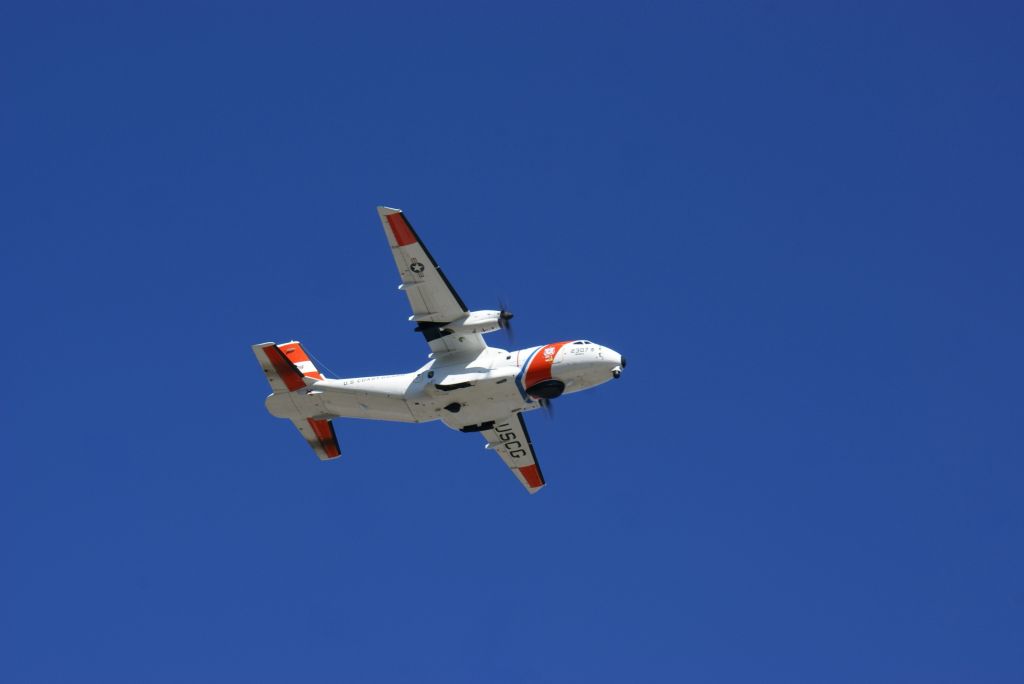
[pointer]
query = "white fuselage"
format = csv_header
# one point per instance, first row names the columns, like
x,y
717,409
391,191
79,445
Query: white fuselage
x,y
461,392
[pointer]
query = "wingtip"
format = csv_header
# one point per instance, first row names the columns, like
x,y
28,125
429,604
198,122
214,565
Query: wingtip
x,y
387,211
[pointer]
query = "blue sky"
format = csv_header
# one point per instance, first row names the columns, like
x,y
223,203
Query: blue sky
x,y
800,222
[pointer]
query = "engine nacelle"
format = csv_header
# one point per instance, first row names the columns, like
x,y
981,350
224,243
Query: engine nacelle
x,y
476,322
546,389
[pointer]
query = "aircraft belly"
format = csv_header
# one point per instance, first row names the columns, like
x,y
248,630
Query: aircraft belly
x,y
373,408
367,405
371,398
483,402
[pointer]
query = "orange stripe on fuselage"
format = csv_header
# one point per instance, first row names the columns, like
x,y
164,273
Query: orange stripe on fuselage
x,y
401,230
539,369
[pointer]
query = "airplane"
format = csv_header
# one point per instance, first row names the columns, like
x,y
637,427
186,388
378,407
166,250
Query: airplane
x,y
465,384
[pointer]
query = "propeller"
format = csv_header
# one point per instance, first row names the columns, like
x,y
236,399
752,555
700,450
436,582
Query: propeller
x,y
548,406
505,320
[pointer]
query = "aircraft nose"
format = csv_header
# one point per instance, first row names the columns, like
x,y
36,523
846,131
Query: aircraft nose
x,y
617,368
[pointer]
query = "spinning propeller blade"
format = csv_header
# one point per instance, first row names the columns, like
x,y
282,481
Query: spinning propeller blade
x,y
549,407
505,320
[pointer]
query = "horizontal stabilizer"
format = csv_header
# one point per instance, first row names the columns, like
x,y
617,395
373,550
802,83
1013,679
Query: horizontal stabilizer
x,y
320,436
286,366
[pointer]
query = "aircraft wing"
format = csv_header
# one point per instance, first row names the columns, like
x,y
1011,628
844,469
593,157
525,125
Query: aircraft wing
x,y
433,299
511,440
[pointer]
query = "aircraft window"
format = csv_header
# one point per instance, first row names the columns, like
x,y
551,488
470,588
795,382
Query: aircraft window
x,y
578,342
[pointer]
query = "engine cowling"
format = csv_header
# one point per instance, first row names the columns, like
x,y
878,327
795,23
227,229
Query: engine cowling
x,y
546,389
483,321
479,322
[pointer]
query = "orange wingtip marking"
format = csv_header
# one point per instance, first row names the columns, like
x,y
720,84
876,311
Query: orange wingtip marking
x,y
400,227
532,475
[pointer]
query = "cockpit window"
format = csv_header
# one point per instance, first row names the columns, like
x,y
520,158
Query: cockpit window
x,y
583,342
578,342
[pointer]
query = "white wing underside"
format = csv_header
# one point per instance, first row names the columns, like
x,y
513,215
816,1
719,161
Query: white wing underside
x,y
510,439
435,303
433,300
